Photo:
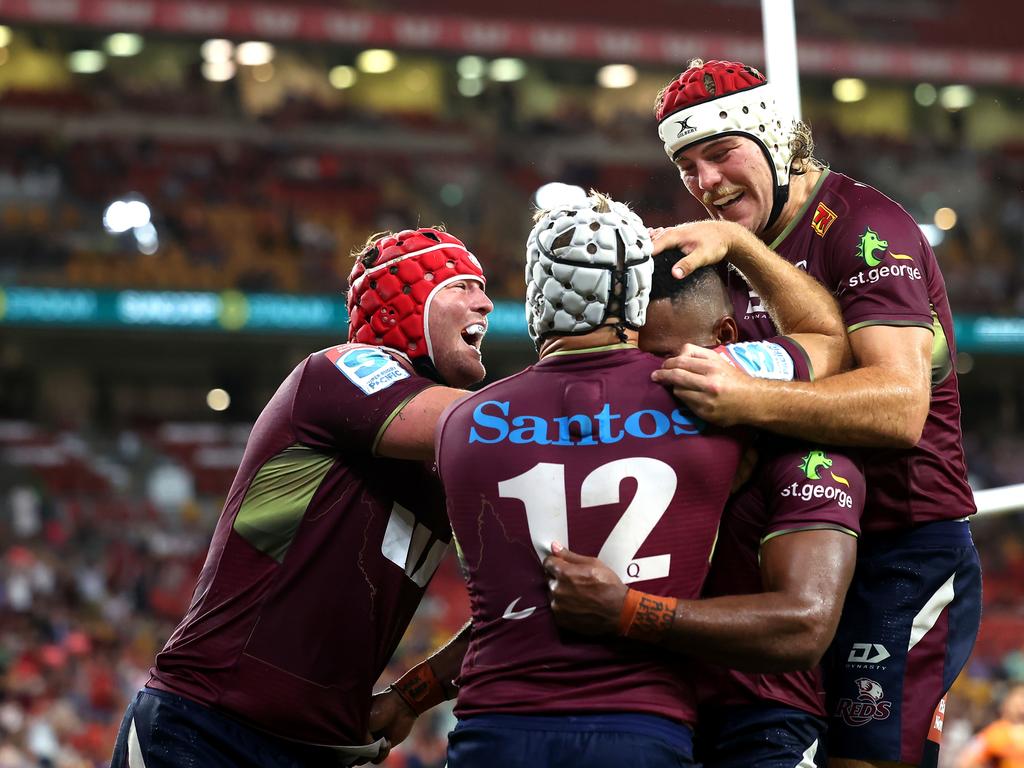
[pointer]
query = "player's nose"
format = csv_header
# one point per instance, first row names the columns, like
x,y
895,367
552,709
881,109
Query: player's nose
x,y
708,174
479,301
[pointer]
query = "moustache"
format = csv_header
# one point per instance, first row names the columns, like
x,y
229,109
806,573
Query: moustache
x,y
708,198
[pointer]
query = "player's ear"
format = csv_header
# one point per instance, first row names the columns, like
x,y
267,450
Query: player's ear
x,y
727,331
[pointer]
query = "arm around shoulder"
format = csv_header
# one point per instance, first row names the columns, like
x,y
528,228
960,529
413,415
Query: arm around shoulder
x,y
409,433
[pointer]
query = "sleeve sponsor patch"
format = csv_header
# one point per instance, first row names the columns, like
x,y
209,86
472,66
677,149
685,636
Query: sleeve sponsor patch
x,y
372,370
760,359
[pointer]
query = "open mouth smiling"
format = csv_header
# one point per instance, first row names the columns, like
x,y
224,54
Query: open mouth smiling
x,y
473,335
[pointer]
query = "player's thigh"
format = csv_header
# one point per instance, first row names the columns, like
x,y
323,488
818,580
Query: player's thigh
x,y
908,626
762,735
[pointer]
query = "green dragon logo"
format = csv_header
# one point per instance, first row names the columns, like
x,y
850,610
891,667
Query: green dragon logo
x,y
870,243
814,462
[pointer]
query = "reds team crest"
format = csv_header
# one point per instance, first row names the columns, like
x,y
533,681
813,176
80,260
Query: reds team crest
x,y
823,219
870,704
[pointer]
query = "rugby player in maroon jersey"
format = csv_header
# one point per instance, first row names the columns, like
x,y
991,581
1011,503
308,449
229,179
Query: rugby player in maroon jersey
x,y
328,538
914,606
783,560
552,453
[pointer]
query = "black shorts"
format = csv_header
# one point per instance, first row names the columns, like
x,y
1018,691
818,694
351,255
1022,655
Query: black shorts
x,y
908,627
162,730
595,741
768,735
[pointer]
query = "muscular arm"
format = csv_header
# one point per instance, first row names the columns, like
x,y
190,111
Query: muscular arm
x,y
410,432
392,716
447,660
884,401
795,301
786,627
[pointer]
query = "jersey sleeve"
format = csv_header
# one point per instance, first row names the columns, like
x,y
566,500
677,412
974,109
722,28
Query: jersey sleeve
x,y
809,488
779,358
878,263
349,394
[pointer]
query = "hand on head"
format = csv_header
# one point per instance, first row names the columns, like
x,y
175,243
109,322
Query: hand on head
x,y
703,242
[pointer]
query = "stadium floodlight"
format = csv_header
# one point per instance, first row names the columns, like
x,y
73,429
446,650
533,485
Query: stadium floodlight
x,y
122,215
86,62
616,75
218,71
955,97
124,44
945,218
925,94
146,238
253,53
964,363
849,90
471,67
471,86
556,193
170,487
218,399
932,234
507,70
5,36
376,61
217,50
342,76
452,194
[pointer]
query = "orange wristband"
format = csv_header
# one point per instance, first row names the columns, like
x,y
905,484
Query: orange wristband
x,y
420,688
646,617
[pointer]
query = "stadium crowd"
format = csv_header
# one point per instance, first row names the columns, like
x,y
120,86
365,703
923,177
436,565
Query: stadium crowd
x,y
243,213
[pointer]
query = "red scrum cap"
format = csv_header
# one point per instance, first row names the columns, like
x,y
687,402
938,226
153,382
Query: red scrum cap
x,y
393,282
719,98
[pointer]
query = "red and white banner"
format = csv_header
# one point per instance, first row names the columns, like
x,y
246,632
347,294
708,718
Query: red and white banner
x,y
495,37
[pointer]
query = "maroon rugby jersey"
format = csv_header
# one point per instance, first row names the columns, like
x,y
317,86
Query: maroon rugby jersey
x,y
875,259
319,558
581,448
795,487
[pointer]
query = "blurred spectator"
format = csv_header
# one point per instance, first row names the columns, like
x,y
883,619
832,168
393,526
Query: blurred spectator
x,y
1001,744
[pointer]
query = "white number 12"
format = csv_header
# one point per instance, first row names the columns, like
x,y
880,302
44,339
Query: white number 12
x,y
543,493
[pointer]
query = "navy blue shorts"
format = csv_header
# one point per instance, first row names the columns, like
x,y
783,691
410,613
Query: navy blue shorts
x,y
768,735
908,627
596,741
161,730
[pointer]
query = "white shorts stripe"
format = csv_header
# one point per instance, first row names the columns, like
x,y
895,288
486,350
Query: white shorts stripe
x,y
134,749
929,614
807,759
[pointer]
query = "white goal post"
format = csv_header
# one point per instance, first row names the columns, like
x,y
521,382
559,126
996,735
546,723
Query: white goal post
x,y
994,501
